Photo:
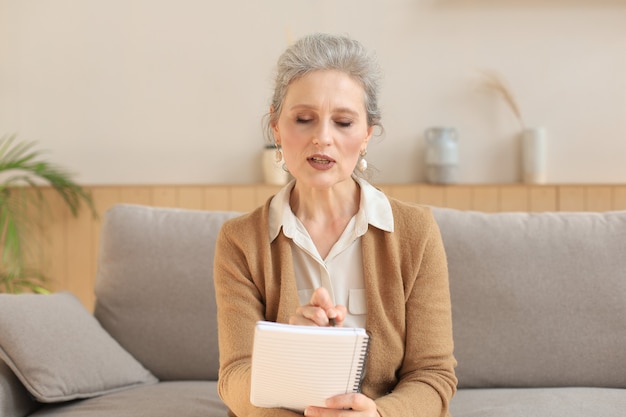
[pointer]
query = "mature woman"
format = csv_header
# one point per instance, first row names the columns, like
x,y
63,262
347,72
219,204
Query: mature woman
x,y
329,248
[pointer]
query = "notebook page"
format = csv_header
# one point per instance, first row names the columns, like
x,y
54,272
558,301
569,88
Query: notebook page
x,y
297,366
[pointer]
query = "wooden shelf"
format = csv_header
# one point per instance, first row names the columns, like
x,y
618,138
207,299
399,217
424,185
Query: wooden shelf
x,y
66,249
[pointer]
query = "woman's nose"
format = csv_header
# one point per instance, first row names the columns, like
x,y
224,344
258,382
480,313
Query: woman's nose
x,y
323,135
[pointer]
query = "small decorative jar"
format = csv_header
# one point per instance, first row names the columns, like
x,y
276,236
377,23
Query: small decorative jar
x,y
442,156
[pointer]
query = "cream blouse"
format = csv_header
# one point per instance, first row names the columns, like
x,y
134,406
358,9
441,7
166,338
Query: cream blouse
x,y
341,272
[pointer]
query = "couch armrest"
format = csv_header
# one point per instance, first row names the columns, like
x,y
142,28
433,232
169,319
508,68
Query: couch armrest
x,y
15,401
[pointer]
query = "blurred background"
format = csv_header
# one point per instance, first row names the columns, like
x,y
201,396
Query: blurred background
x,y
174,92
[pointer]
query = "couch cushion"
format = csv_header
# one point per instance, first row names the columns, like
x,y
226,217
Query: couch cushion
x,y
60,352
538,299
539,402
154,287
165,399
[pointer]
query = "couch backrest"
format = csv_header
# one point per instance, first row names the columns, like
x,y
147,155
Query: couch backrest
x,y
537,299
154,287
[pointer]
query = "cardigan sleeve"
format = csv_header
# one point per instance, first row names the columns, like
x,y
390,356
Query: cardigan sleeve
x,y
239,306
427,381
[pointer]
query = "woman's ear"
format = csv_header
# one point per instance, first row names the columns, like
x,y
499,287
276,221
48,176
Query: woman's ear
x,y
370,131
274,126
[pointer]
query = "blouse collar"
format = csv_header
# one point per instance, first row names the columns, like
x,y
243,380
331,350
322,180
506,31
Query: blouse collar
x,y
374,209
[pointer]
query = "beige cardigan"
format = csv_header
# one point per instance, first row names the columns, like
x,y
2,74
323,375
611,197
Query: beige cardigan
x,y
410,368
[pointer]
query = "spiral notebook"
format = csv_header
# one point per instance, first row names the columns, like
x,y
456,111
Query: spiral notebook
x,y
297,366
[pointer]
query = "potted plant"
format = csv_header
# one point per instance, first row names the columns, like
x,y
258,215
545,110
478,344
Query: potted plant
x,y
22,174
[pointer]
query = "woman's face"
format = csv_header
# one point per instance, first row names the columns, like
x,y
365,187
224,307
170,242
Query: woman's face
x,y
322,128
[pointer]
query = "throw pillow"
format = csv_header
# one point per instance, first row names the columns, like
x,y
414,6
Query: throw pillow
x,y
60,352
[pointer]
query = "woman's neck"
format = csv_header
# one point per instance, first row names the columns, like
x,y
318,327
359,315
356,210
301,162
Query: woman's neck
x,y
325,213
329,204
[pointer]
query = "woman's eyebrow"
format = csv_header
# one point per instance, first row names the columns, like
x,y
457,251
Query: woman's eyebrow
x,y
343,110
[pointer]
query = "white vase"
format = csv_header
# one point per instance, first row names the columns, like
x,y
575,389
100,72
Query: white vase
x,y
442,155
533,146
273,172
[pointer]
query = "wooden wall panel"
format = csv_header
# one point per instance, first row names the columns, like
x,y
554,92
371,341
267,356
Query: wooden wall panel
x,y
598,198
571,198
404,192
486,199
514,198
165,196
67,247
217,198
432,195
542,198
619,198
136,195
191,198
54,236
459,197
32,254
80,257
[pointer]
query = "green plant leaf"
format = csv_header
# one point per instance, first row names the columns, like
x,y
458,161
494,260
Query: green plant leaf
x,y
24,281
24,171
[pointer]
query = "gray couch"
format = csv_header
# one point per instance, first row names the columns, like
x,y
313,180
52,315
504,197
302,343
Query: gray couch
x,y
539,312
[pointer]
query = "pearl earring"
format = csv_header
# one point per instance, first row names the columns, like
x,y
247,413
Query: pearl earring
x,y
362,164
279,154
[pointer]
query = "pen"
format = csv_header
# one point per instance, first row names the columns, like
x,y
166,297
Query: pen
x,y
331,322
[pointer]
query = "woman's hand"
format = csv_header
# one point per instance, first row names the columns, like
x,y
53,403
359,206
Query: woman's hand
x,y
320,311
356,405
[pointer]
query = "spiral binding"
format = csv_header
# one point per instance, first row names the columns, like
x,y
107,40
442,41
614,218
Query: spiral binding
x,y
361,368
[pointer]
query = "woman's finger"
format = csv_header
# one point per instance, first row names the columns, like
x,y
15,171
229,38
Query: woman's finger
x,y
309,315
321,298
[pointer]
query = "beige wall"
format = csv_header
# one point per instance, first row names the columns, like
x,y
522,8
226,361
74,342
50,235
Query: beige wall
x,y
167,92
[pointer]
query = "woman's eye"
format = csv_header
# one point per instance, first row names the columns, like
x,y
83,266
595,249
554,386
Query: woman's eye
x,y
302,120
344,123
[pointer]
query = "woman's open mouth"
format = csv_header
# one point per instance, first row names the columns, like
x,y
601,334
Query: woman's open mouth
x,y
321,162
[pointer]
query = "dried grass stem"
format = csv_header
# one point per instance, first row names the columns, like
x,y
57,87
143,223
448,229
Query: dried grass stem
x,y
495,82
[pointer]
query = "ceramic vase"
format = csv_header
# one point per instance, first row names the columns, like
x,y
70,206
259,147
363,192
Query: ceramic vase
x,y
442,155
533,152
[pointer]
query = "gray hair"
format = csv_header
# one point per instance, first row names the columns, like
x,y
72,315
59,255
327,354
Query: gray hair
x,y
321,51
